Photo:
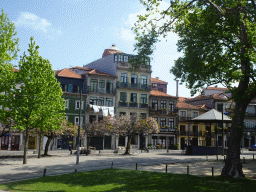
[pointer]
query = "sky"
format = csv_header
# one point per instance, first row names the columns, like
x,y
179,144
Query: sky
x,y
76,32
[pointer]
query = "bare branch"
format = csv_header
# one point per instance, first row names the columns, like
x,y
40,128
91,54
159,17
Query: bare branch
x,y
253,4
216,7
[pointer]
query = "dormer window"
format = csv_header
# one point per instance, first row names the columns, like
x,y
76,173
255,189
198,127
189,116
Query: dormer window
x,y
126,59
120,58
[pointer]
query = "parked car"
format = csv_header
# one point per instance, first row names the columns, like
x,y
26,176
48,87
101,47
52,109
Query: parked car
x,y
252,148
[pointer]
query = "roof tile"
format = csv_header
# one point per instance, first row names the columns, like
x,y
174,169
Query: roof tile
x,y
67,73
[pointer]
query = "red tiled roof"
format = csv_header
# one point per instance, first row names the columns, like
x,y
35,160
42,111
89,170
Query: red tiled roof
x,y
110,51
159,94
14,69
213,96
155,80
81,68
217,88
67,73
182,105
97,72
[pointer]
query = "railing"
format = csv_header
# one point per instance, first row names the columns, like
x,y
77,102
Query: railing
x,y
185,118
122,104
143,105
133,104
128,65
100,90
162,112
250,114
133,85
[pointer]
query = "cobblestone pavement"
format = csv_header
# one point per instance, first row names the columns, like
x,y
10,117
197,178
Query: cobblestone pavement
x,y
12,169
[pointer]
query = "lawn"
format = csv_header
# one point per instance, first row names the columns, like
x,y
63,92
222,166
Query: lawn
x,y
129,180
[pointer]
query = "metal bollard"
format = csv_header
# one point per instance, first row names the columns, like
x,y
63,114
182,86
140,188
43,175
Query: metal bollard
x,y
253,156
206,158
187,169
166,169
75,170
44,172
217,158
167,150
224,158
212,171
112,165
136,166
244,159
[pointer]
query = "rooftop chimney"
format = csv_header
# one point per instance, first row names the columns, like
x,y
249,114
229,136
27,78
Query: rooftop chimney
x,y
157,78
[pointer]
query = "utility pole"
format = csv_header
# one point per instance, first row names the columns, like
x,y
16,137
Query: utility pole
x,y
79,127
222,123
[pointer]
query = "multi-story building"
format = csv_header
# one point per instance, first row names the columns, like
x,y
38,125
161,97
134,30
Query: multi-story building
x,y
162,107
159,85
72,84
198,134
101,98
133,87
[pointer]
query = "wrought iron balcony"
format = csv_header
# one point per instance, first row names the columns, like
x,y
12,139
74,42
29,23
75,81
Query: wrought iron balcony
x,y
143,105
122,104
133,104
122,85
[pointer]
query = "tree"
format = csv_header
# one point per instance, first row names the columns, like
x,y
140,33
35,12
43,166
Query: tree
x,y
66,129
38,97
218,41
8,52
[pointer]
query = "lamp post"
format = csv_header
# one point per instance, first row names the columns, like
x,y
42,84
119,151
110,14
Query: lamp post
x,y
79,127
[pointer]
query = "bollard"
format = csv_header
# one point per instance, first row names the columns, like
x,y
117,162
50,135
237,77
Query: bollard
x,y
253,156
212,171
44,172
71,152
187,169
244,159
206,158
112,165
167,150
217,158
224,158
136,166
166,169
75,170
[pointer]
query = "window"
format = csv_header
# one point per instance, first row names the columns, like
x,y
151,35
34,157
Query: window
x,y
93,85
109,87
252,124
219,106
66,104
160,89
163,104
182,128
143,98
133,98
126,59
77,121
133,116
101,101
102,84
162,122
109,102
144,80
100,118
76,89
194,114
64,88
171,123
154,84
155,104
183,113
78,104
122,114
120,58
133,79
143,115
171,106
70,88
123,77
93,100
123,96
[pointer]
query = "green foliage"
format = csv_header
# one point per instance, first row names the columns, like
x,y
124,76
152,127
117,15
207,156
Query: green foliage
x,y
8,52
129,180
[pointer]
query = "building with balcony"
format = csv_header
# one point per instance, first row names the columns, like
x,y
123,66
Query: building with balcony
x,y
159,85
189,133
132,87
162,107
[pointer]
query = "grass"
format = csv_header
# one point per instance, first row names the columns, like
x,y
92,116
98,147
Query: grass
x,y
129,180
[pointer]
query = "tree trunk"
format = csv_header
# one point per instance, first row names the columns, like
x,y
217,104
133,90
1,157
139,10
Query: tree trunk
x,y
26,146
127,150
47,145
88,145
233,165
40,143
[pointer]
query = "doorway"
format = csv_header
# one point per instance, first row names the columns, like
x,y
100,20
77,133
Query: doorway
x,y
182,143
195,141
15,143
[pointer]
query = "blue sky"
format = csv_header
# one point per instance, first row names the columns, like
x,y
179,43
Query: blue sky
x,y
76,32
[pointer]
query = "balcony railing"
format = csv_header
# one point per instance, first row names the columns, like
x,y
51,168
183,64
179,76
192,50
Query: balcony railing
x,y
185,118
162,112
133,85
143,105
122,104
100,90
133,104
128,65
